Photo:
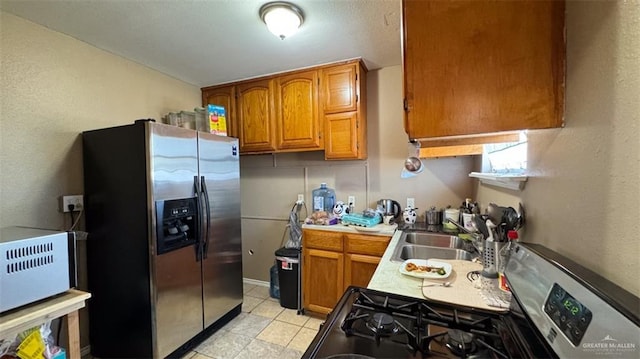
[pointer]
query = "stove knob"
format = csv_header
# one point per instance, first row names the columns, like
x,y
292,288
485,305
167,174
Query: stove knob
x,y
576,332
582,322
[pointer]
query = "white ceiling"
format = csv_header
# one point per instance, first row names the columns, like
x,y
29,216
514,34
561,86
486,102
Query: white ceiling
x,y
208,42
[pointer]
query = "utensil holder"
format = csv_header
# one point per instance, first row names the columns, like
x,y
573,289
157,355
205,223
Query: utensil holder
x,y
492,259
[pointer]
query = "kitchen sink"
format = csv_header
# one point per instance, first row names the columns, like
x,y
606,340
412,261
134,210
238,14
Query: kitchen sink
x,y
425,245
434,240
409,251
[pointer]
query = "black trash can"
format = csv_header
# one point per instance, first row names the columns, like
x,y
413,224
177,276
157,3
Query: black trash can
x,y
288,262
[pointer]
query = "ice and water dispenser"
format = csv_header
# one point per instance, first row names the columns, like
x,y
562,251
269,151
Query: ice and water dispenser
x,y
177,222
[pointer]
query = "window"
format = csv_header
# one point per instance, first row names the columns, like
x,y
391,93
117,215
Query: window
x,y
506,158
504,164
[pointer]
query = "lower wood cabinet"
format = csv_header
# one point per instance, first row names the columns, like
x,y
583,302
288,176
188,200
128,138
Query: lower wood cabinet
x,y
332,261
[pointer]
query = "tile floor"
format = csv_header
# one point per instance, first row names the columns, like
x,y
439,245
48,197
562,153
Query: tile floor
x,y
263,330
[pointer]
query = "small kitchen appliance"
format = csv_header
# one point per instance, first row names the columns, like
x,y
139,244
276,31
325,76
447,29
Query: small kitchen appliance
x,y
35,264
559,310
390,207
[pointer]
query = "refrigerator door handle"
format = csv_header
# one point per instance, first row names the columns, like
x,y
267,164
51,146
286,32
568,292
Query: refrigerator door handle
x,y
205,194
198,246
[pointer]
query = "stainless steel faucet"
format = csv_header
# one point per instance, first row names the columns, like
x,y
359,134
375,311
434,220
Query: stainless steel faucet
x,y
478,238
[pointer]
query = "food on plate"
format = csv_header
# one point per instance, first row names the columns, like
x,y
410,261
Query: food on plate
x,y
412,267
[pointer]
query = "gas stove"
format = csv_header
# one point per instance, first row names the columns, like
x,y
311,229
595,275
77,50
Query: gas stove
x,y
382,325
558,311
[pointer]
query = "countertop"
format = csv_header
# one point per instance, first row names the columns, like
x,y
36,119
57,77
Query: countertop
x,y
377,230
387,278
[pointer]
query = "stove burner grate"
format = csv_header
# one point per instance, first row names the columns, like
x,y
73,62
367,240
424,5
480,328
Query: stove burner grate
x,y
381,317
382,324
460,343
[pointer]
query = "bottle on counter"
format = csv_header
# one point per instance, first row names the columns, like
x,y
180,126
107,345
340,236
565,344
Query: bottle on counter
x,y
324,198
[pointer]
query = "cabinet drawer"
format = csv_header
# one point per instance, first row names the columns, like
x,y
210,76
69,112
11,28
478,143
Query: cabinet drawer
x,y
363,244
322,240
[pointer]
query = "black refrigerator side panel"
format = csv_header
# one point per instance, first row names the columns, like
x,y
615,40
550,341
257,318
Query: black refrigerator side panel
x,y
120,319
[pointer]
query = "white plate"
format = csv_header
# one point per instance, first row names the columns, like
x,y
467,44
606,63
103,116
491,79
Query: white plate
x,y
426,262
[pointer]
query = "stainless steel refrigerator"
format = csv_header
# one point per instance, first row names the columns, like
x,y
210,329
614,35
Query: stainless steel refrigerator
x,y
164,251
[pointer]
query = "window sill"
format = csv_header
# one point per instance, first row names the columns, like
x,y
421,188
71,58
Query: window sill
x,y
509,181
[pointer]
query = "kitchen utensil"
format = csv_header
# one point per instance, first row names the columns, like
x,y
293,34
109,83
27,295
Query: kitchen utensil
x,y
492,258
495,213
480,225
510,218
445,284
522,218
412,165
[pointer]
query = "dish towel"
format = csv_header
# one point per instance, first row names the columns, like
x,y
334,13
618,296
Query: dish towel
x,y
496,298
491,293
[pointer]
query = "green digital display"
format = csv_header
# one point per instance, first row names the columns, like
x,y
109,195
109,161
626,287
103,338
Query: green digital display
x,y
570,315
571,306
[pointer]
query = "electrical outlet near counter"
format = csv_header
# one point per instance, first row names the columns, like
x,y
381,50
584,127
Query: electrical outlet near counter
x,y
351,201
76,200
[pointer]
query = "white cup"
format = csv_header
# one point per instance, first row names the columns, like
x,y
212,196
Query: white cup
x,y
388,220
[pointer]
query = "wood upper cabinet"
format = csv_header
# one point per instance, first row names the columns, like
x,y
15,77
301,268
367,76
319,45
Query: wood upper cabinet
x,y
224,96
297,115
477,67
341,142
323,107
344,108
332,261
339,88
256,115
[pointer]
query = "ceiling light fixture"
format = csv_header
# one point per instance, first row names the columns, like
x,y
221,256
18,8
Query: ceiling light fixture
x,y
282,18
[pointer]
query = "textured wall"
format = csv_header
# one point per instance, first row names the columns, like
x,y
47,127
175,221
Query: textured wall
x,y
53,88
583,193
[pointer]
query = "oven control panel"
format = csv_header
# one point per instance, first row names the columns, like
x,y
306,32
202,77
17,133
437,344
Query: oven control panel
x,y
579,313
571,316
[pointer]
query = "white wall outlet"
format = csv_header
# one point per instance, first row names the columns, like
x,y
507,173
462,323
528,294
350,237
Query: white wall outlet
x,y
76,200
300,199
351,201
411,202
